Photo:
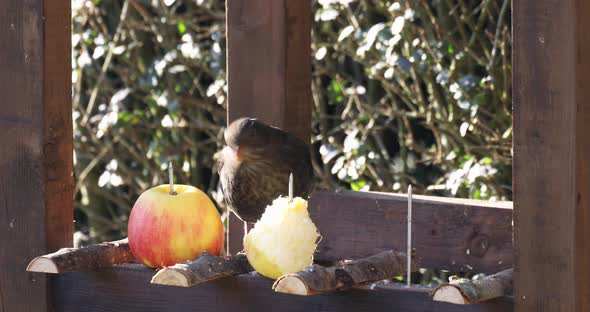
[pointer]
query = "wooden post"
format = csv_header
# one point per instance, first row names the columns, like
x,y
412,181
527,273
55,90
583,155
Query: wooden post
x,y
269,69
36,200
551,73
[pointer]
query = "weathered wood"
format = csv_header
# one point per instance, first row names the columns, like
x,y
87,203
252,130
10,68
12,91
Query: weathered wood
x,y
235,234
36,201
58,142
551,57
467,291
127,288
318,279
269,63
268,70
204,269
89,258
454,234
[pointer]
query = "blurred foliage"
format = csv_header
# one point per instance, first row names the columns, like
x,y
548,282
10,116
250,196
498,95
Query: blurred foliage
x,y
404,92
414,92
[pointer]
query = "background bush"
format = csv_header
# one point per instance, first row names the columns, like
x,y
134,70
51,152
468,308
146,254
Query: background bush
x,y
404,92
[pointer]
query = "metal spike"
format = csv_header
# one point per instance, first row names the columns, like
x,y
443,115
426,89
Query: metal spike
x,y
171,178
409,251
291,187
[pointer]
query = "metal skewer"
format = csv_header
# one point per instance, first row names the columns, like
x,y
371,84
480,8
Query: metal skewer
x,y
409,251
291,187
171,178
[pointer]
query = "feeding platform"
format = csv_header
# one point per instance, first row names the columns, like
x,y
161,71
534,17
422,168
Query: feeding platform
x,y
230,281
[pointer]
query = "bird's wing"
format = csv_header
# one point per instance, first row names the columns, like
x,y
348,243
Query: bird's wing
x,y
295,156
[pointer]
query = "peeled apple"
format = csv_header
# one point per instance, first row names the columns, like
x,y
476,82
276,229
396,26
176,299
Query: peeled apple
x,y
284,240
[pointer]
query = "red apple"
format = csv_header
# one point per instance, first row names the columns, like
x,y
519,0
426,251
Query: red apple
x,y
165,229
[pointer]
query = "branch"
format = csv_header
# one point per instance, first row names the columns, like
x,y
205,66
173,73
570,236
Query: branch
x,y
89,258
317,279
205,268
105,65
466,291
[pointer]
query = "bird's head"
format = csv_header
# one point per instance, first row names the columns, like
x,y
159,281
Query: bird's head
x,y
246,136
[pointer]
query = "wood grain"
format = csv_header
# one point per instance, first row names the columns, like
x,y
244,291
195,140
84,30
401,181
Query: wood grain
x,y
551,61
127,288
453,234
93,257
582,170
269,63
317,279
58,128
36,139
468,291
204,269
236,234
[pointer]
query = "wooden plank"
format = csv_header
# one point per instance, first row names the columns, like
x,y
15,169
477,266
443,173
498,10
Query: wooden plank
x,y
582,214
269,63
235,235
127,288
35,135
268,70
58,129
551,61
453,234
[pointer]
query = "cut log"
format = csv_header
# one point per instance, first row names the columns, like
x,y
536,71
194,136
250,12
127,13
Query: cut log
x,y
205,268
318,279
467,291
89,258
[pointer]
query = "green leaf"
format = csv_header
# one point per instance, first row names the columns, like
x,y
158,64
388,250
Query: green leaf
x,y
450,49
358,185
335,92
486,161
477,194
181,28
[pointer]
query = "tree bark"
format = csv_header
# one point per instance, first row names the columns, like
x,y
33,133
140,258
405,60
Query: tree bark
x,y
318,279
89,258
205,268
467,291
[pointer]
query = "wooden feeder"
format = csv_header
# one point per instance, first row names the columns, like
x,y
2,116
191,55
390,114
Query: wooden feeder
x,y
545,239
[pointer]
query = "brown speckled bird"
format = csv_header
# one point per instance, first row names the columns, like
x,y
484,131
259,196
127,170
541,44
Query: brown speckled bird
x,y
255,165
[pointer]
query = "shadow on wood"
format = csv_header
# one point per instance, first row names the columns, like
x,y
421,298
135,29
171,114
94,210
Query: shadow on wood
x,y
128,288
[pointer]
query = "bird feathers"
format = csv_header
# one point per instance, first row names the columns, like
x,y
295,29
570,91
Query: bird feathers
x,y
255,167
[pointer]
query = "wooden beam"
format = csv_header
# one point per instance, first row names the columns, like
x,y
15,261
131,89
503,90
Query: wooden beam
x,y
268,70
127,288
453,234
58,142
36,201
551,76
269,63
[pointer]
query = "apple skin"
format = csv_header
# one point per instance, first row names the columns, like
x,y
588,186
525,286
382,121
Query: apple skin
x,y
166,229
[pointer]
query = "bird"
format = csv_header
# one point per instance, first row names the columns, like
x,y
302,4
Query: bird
x,y
255,164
